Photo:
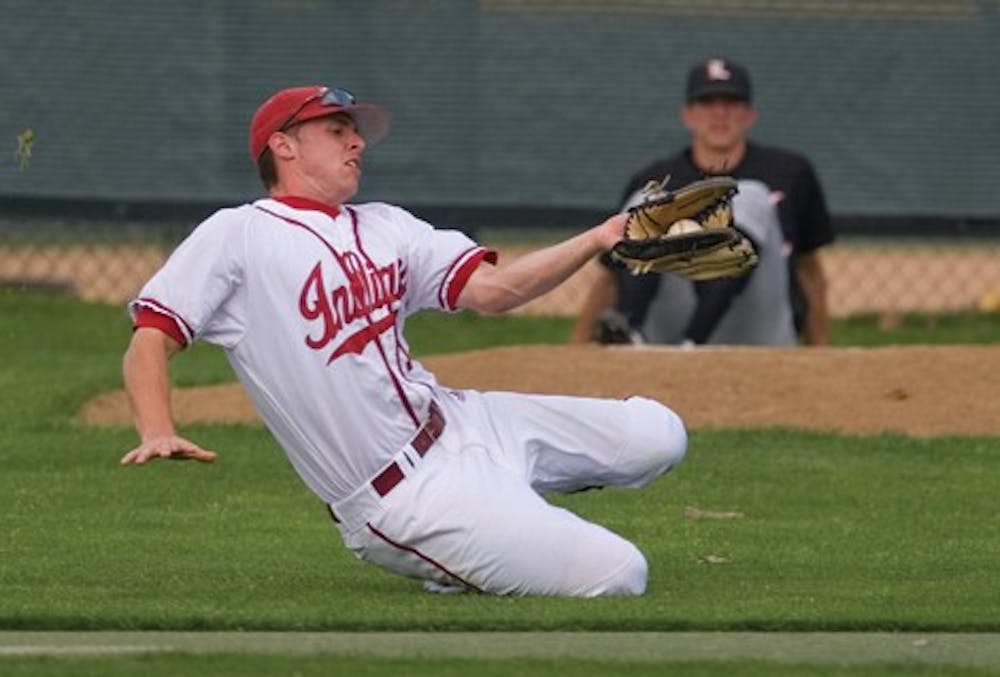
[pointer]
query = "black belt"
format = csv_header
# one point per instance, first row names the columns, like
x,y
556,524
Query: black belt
x,y
392,474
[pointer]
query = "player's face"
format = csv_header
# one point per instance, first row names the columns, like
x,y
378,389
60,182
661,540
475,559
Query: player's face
x,y
719,124
327,158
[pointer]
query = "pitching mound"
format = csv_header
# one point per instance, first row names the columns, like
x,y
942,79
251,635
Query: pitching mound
x,y
919,390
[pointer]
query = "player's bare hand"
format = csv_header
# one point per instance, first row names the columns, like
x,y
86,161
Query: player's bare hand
x,y
171,447
611,231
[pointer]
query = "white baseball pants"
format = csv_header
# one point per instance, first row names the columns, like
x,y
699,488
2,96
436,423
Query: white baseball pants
x,y
470,512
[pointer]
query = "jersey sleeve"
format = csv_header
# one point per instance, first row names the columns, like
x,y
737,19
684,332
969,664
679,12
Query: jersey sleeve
x,y
756,215
804,211
817,228
189,297
438,263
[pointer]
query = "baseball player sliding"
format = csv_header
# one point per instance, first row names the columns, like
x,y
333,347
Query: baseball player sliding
x,y
308,296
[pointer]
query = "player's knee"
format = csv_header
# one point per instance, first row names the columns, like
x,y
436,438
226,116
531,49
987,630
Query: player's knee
x,y
630,579
659,438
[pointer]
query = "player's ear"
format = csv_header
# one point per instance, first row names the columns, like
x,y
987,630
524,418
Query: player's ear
x,y
281,146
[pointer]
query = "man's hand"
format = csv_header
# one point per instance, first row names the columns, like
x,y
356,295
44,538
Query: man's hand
x,y
611,231
173,446
688,232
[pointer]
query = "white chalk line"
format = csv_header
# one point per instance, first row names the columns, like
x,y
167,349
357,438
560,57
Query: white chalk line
x,y
840,648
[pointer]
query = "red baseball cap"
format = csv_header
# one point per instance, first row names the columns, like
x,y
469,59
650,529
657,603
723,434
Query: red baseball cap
x,y
298,104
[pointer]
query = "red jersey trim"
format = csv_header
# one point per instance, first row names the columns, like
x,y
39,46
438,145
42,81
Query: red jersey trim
x,y
333,211
456,278
434,563
357,342
148,317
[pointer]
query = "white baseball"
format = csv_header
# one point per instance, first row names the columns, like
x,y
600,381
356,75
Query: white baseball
x,y
683,227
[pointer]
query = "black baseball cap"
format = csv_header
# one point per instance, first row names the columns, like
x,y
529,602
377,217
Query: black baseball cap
x,y
718,76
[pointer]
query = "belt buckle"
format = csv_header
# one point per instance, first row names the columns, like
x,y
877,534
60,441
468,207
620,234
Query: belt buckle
x,y
387,480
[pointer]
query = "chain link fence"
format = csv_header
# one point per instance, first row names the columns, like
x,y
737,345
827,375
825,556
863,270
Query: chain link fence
x,y
868,276
501,105
108,262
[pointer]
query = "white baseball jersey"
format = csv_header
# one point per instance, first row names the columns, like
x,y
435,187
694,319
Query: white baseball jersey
x,y
309,303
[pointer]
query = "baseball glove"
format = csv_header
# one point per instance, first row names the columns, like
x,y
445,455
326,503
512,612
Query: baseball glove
x,y
688,232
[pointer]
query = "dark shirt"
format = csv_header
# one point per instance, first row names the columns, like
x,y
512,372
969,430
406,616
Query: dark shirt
x,y
805,223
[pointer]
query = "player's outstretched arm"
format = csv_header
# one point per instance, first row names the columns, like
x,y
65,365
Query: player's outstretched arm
x,y
495,290
147,382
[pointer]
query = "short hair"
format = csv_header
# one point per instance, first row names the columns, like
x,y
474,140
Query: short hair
x,y
266,169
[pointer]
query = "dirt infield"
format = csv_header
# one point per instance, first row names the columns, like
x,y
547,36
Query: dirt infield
x,y
920,390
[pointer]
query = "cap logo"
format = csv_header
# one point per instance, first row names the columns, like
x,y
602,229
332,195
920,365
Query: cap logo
x,y
717,70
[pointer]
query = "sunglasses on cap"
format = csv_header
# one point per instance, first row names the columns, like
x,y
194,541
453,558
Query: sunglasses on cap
x,y
327,96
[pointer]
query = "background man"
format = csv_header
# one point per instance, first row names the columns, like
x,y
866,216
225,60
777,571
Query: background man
x,y
774,183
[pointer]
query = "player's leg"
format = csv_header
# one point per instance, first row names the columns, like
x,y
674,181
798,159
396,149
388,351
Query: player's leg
x,y
470,512
569,443
635,294
464,520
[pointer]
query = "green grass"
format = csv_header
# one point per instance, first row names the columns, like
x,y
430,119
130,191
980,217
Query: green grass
x,y
531,653
238,665
910,328
839,533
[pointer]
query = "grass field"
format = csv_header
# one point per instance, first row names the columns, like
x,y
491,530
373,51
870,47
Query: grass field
x,y
833,534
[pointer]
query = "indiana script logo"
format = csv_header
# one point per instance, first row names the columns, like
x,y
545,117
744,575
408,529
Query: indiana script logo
x,y
368,289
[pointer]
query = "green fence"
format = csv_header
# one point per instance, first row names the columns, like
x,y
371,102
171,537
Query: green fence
x,y
506,113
